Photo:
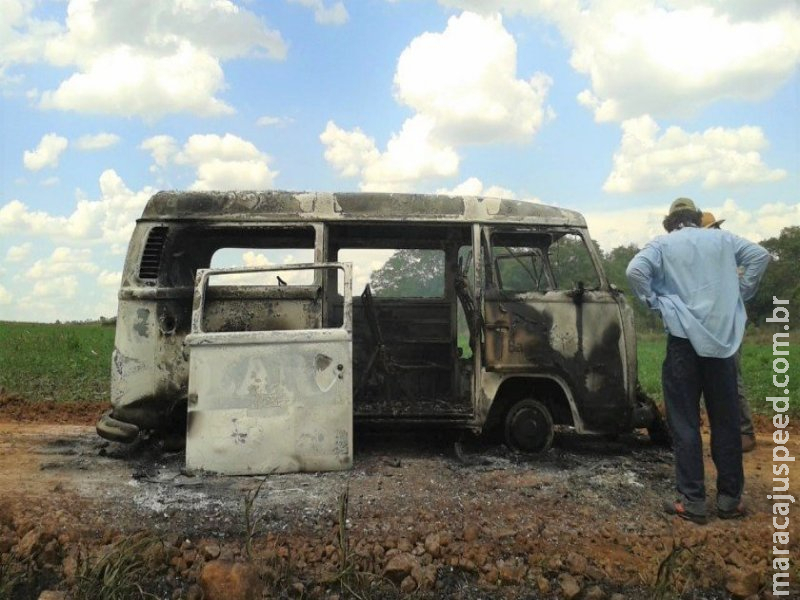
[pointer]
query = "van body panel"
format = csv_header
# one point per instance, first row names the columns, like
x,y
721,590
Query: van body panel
x,y
580,343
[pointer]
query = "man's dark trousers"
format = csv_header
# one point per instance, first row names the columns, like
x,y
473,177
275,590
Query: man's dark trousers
x,y
685,377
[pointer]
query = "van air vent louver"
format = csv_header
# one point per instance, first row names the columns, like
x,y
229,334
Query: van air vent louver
x,y
151,257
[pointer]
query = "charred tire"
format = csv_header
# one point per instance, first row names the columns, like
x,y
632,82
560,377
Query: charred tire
x,y
529,427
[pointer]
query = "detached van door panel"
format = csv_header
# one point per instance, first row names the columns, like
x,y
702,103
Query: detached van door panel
x,y
270,401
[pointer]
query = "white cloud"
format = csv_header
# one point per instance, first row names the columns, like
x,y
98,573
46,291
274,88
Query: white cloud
x,y
76,279
474,187
349,152
221,28
138,59
58,287
716,157
669,58
765,222
5,296
623,227
97,141
470,90
107,222
124,82
269,121
22,37
689,58
413,154
233,175
18,253
410,156
639,225
50,182
63,261
335,14
463,92
109,279
202,148
226,163
162,148
46,154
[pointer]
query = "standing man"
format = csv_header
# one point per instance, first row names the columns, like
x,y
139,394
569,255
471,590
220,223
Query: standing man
x,y
709,221
690,276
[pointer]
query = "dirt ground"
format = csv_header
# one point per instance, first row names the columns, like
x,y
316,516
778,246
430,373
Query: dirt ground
x,y
421,515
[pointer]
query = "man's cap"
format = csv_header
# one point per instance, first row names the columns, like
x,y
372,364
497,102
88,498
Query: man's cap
x,y
682,204
709,221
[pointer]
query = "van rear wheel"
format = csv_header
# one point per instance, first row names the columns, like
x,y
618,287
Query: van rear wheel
x,y
529,427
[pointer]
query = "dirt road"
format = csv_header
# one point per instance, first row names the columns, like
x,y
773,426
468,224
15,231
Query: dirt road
x,y
420,515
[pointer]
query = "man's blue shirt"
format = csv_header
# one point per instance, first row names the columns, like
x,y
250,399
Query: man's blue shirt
x,y
691,277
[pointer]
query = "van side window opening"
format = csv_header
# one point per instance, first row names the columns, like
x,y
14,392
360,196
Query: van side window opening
x,y
405,339
262,257
572,264
540,262
189,248
281,300
401,273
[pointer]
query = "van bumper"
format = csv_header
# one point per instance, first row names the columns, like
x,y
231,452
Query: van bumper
x,y
115,430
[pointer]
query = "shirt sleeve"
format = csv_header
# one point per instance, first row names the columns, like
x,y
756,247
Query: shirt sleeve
x,y
640,273
754,260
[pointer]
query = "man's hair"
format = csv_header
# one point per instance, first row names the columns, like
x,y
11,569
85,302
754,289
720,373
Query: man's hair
x,y
682,218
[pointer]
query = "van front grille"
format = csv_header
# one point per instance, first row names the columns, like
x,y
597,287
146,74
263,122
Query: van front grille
x,y
151,256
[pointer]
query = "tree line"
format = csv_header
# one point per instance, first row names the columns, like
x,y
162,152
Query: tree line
x,y
782,278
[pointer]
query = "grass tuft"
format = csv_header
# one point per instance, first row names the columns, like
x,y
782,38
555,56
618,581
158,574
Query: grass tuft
x,y
13,572
119,573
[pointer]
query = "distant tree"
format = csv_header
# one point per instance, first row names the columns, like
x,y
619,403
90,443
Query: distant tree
x,y
410,274
615,263
782,278
572,264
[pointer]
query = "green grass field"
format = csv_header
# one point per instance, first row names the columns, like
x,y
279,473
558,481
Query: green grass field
x,y
56,362
72,362
756,369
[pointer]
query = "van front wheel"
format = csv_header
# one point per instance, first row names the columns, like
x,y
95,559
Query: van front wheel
x,y
529,427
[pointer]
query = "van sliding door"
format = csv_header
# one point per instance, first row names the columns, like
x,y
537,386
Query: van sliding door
x,y
276,395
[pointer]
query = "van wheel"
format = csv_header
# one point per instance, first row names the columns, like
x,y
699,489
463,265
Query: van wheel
x,y
529,427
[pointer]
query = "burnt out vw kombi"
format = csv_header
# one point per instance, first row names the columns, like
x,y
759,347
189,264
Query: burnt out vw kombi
x,y
276,319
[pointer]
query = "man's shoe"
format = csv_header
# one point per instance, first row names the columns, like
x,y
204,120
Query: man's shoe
x,y
748,442
676,507
737,512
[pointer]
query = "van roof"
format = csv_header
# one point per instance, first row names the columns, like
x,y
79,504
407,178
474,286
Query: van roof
x,y
274,205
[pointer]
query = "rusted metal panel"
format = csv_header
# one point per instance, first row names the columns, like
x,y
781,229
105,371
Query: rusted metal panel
x,y
270,401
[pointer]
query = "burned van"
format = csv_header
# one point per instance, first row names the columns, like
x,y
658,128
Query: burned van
x,y
316,310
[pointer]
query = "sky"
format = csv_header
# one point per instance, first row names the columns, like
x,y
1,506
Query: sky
x,y
613,108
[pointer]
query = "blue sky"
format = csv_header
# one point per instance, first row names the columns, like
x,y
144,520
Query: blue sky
x,y
609,107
